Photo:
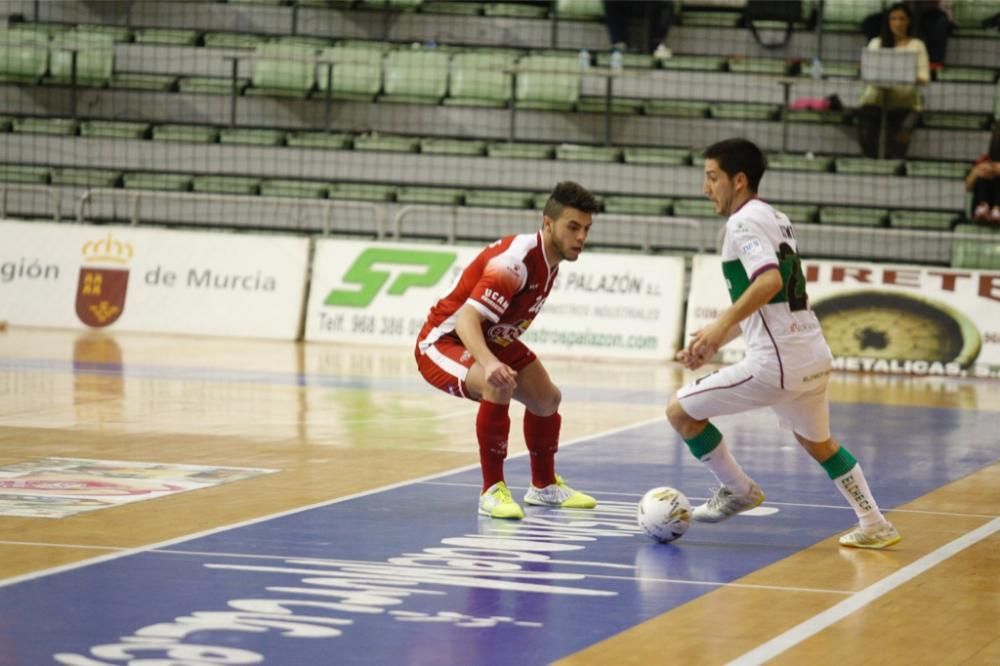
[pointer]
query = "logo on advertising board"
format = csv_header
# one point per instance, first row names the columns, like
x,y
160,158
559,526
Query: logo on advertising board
x,y
432,267
100,292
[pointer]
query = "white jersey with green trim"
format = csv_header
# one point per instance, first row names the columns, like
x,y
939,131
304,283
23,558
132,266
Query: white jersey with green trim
x,y
785,343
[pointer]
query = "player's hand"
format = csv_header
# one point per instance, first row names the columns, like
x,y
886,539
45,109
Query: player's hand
x,y
985,170
500,375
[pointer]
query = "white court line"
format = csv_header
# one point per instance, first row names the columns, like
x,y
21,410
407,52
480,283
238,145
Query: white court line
x,y
290,512
711,583
839,507
817,623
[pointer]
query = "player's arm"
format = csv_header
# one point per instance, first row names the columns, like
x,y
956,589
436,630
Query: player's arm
x,y
725,327
469,327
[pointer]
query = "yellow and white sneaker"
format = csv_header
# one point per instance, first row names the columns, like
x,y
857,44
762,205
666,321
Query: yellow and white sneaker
x,y
497,502
876,537
559,494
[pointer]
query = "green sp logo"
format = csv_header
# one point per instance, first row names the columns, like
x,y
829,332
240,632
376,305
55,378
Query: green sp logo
x,y
431,267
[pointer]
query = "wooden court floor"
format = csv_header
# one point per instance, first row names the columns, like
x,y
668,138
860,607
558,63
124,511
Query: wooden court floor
x,y
330,422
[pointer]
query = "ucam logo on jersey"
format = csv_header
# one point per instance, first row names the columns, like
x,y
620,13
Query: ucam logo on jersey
x,y
602,306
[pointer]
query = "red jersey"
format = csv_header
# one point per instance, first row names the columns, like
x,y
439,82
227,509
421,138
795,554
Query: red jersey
x,y
507,283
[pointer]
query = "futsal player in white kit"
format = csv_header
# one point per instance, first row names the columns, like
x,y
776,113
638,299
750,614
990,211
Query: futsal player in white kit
x,y
787,364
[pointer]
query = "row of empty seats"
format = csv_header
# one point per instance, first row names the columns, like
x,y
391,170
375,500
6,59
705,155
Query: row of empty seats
x,y
636,155
383,192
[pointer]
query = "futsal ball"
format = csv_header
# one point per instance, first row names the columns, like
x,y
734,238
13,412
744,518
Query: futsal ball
x,y
664,513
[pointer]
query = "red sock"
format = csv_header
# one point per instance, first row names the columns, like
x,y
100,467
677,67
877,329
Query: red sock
x,y
492,430
541,435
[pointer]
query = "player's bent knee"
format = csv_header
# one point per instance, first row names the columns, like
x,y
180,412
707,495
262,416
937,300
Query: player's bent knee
x,y
678,418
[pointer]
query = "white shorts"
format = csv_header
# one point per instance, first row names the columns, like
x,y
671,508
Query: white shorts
x,y
735,389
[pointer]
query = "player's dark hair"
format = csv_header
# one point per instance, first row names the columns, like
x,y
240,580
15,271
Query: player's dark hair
x,y
739,156
570,195
886,38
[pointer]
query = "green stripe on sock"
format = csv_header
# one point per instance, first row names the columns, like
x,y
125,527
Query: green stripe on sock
x,y
704,441
840,463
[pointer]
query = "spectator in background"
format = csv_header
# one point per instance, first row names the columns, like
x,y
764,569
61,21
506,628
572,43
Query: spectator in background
x,y
983,180
933,20
651,19
902,103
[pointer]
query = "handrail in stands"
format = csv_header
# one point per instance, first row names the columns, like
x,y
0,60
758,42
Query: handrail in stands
x,y
525,220
52,192
326,206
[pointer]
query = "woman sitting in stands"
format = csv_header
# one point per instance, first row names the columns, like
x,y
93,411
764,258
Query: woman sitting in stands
x,y
902,103
983,180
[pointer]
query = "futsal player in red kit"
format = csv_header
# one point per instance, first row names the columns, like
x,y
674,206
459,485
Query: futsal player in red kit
x,y
469,347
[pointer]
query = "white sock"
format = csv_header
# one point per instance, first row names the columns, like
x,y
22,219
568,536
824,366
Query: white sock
x,y
726,469
854,488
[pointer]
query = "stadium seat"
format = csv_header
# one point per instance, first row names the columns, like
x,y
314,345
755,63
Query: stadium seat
x,y
472,147
301,189
332,141
971,16
966,74
498,199
738,111
710,19
619,105
847,15
166,36
114,129
356,72
514,10
283,69
676,108
699,208
548,83
18,173
389,143
794,162
85,177
856,216
254,137
861,165
933,169
809,116
24,57
772,66
922,219
233,40
415,76
186,133
94,58
697,63
799,213
174,182
629,60
528,151
59,126
453,8
626,205
117,33
479,79
580,10
578,153
657,156
950,120
975,247
361,192
225,184
833,70
440,196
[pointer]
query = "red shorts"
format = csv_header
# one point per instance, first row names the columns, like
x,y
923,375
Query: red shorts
x,y
446,363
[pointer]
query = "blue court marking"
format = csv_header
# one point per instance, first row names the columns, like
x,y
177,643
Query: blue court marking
x,y
411,575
